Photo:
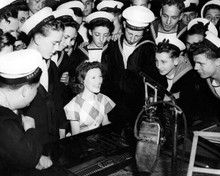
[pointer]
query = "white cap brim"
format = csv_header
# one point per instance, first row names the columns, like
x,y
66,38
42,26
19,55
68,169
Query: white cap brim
x,y
72,4
138,16
211,26
19,63
172,40
35,19
216,2
99,14
109,4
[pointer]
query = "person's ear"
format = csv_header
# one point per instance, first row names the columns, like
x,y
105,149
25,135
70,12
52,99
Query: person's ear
x,y
176,61
161,12
37,39
217,62
181,16
24,90
90,32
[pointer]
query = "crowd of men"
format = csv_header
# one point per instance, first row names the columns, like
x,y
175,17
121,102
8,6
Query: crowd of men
x,y
43,43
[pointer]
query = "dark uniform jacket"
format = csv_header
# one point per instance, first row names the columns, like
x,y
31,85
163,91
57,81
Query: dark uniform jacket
x,y
47,108
185,90
64,65
210,102
127,87
20,151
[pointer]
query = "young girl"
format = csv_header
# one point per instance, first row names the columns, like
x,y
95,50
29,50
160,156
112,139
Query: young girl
x,y
88,110
181,78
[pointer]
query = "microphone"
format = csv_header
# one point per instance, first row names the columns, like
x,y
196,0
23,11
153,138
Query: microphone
x,y
157,86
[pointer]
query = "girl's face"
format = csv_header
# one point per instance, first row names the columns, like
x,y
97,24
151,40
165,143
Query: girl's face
x,y
93,80
68,39
99,35
165,64
49,45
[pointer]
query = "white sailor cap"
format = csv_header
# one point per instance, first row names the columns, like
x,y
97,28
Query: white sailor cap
x,y
20,66
215,2
109,4
190,5
172,40
64,13
138,17
99,15
211,26
72,4
4,5
37,20
213,39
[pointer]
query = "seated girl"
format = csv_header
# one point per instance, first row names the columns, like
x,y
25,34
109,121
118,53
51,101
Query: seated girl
x,y
88,110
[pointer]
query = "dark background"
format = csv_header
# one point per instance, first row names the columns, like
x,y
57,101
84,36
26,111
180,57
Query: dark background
x,y
156,4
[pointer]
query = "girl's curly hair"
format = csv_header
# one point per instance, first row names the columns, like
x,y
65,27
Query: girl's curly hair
x,y
77,84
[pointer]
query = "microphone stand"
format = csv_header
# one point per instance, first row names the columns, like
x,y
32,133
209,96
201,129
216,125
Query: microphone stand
x,y
157,86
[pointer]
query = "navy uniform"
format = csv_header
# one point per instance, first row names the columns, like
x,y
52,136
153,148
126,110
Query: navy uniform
x,y
47,106
96,54
183,83
127,87
211,89
61,58
20,149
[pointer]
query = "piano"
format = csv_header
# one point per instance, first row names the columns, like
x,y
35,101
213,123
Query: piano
x,y
97,152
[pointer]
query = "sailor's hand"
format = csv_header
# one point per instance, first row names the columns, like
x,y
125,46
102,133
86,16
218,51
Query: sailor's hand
x,y
28,122
44,163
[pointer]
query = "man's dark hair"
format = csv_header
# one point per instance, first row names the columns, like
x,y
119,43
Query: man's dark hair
x,y
178,3
211,6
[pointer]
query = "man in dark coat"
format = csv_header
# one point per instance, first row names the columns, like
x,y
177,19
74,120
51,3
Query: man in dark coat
x,y
131,53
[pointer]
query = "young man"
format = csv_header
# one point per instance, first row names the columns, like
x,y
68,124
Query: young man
x,y
77,7
20,150
113,7
206,56
196,30
131,53
169,23
190,12
83,30
47,108
211,11
35,5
